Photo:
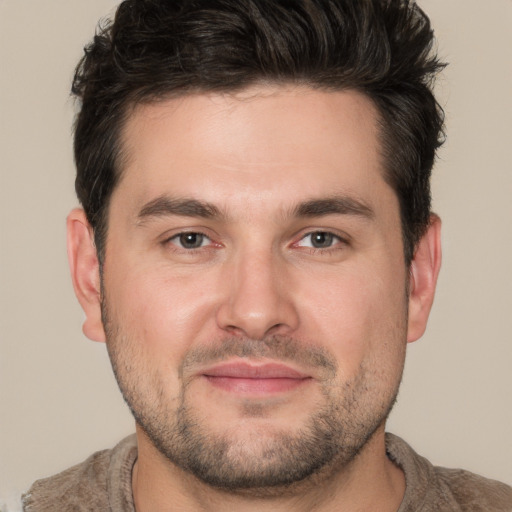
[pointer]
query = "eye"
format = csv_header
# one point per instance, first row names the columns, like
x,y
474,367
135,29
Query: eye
x,y
190,240
319,240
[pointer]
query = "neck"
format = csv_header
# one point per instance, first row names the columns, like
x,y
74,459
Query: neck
x,y
370,482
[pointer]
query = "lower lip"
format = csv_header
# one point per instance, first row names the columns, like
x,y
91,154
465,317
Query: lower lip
x,y
255,386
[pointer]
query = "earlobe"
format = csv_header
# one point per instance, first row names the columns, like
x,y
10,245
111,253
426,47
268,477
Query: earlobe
x,y
85,272
423,275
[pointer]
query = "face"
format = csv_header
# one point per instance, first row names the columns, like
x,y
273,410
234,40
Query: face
x,y
254,286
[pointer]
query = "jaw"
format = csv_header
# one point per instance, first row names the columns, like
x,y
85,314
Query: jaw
x,y
369,481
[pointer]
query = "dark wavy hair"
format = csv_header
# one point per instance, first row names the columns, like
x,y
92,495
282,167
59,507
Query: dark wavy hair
x,y
155,49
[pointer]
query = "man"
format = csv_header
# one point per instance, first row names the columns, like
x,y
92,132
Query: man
x,y
256,248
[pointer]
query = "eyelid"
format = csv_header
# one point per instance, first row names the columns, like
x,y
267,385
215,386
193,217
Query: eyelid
x,y
177,237
334,238
168,234
342,238
339,238
171,237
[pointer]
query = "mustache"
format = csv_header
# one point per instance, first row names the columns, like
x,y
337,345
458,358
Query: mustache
x,y
280,348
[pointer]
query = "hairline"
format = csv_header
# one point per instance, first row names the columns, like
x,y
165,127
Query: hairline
x,y
138,99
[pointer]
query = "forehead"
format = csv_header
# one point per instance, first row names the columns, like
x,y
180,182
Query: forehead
x,y
273,144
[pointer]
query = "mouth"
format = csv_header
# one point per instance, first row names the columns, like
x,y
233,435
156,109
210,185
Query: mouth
x,y
255,379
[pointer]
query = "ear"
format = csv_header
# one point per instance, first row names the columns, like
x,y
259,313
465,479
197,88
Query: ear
x,y
423,278
85,272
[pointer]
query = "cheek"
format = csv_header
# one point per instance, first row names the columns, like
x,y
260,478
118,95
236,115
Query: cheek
x,y
358,315
162,311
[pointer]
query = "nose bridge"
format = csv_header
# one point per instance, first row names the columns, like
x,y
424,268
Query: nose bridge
x,y
256,301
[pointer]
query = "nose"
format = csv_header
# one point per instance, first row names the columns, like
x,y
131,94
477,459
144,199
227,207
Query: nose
x,y
258,299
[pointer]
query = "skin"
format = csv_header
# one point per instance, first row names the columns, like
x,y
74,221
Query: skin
x,y
257,283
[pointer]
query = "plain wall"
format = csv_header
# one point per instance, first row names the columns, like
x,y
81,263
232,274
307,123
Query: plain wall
x,y
58,399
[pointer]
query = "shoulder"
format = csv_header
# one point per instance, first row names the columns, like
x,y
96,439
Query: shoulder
x,y
474,492
433,488
87,485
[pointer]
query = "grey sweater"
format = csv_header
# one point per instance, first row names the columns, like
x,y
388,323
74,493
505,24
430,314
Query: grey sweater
x,y
103,483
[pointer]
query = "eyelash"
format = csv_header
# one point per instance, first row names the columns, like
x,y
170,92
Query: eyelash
x,y
177,236
339,243
330,236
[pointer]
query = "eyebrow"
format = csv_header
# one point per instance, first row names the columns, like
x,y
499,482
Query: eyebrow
x,y
164,206
337,205
187,207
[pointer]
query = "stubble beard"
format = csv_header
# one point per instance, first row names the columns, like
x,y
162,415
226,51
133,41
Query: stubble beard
x,y
272,460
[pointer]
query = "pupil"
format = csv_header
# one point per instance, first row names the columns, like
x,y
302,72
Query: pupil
x,y
191,240
321,239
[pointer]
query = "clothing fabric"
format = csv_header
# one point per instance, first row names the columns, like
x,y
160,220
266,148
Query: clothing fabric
x,y
103,483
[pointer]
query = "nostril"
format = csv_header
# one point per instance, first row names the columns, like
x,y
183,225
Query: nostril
x,y
233,329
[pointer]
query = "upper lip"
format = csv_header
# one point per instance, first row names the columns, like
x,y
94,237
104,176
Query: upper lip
x,y
245,370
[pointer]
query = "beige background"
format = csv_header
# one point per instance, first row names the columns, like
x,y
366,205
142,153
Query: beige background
x,y
58,400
